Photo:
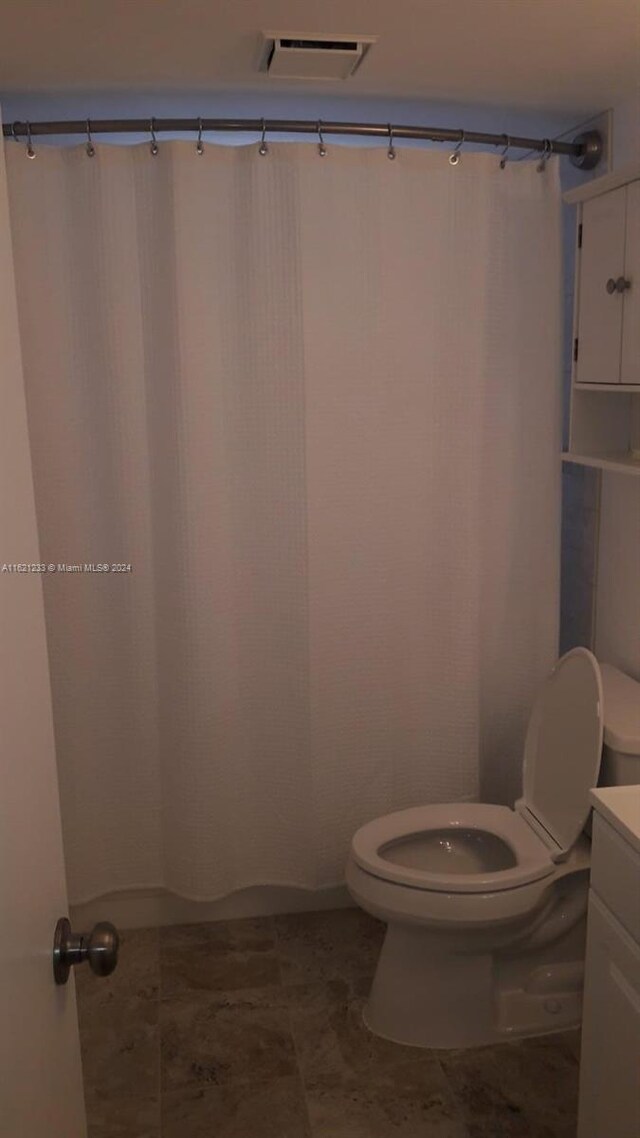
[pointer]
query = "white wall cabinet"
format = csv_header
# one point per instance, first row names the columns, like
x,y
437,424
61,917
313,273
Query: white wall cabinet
x,y
610,1058
605,386
607,345
630,360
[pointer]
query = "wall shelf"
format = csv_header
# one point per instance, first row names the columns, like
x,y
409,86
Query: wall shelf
x,y
610,388
621,462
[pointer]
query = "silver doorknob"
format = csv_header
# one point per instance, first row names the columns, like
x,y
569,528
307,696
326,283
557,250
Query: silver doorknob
x,y
100,947
619,285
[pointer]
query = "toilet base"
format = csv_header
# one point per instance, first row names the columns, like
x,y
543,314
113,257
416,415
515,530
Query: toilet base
x,y
441,1000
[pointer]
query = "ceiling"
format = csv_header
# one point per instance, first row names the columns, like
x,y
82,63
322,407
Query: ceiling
x,y
579,55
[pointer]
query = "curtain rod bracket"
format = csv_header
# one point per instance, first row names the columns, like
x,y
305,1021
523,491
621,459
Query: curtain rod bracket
x,y
591,153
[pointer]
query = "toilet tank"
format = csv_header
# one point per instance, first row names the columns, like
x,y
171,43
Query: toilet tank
x,y
621,750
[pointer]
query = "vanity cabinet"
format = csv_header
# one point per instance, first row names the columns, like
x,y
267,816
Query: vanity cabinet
x,y
610,1057
605,384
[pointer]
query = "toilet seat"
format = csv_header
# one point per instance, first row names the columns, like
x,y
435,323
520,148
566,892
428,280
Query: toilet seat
x,y
498,848
533,860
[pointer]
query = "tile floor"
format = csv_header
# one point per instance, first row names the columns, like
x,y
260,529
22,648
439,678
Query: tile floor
x,y
253,1029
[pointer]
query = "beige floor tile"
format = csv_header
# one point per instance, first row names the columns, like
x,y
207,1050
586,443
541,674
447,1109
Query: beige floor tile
x,y
331,1037
519,1090
223,956
273,1110
398,1105
133,1117
255,934
236,1037
338,944
121,1050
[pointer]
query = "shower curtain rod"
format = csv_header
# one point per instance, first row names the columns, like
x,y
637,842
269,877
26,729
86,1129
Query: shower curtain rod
x,y
585,150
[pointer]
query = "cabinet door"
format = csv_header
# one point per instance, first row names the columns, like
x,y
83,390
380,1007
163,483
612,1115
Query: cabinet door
x,y
600,311
610,1059
630,370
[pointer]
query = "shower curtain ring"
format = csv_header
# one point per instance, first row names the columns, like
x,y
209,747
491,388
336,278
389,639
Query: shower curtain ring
x,y
154,144
454,157
391,150
30,151
322,150
13,132
503,159
199,143
263,148
90,148
546,154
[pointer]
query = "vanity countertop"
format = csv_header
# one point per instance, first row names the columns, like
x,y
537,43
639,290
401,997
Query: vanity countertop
x,y
620,805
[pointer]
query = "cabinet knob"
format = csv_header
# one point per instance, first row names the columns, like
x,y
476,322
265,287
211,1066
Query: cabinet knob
x,y
611,286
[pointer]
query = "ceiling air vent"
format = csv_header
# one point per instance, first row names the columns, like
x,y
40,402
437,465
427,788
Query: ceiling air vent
x,y
289,56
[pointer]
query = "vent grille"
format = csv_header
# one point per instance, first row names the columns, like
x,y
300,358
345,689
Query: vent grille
x,y
320,45
287,55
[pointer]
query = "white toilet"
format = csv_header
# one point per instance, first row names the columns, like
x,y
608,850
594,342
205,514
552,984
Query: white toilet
x,y
486,905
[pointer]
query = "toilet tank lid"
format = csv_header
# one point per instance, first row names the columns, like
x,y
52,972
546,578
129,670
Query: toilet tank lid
x,y
621,698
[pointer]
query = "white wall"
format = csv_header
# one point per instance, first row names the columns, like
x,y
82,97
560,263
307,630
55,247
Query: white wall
x,y
626,133
618,587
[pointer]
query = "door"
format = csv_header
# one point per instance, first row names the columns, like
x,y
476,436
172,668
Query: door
x,y
40,1073
600,304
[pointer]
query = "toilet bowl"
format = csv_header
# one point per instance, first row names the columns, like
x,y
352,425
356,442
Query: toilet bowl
x,y
485,905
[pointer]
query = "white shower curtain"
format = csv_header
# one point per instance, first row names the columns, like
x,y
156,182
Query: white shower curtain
x,y
315,405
